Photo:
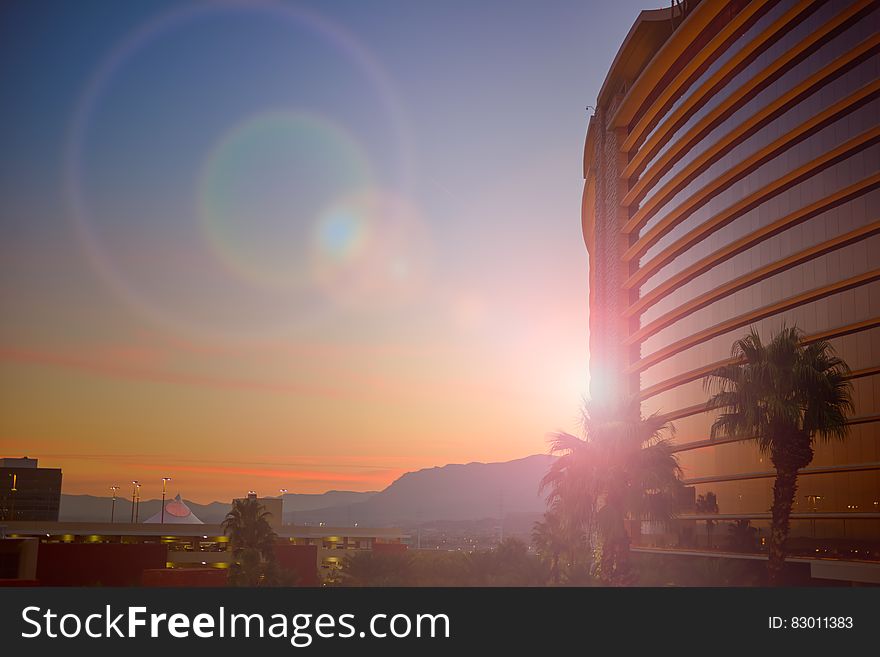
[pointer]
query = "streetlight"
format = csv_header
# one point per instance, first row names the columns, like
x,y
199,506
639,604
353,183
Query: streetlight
x,y
13,490
135,499
165,481
813,501
113,504
283,492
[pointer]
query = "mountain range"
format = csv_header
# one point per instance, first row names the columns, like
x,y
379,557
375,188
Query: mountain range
x,y
454,492
91,508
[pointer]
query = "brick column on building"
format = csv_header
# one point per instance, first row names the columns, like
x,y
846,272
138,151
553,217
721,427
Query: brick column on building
x,y
609,356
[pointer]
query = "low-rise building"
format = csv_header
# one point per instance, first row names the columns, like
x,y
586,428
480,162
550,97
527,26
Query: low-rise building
x,y
194,546
27,491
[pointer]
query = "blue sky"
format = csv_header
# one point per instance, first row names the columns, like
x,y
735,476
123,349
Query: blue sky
x,y
371,203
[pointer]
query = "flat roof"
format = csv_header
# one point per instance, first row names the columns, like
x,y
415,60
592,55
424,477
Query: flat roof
x,y
38,528
647,47
648,33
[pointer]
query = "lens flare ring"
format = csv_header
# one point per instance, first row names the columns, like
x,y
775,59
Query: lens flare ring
x,y
111,66
311,159
371,248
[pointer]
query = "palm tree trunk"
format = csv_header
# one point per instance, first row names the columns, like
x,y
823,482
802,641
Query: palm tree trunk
x,y
613,563
784,489
620,571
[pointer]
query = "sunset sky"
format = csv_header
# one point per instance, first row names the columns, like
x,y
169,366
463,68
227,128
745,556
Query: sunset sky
x,y
300,245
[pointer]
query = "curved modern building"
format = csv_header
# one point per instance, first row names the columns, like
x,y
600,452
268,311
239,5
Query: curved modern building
x,y
732,180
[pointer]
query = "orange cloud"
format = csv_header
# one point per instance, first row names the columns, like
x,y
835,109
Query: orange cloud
x,y
295,475
110,364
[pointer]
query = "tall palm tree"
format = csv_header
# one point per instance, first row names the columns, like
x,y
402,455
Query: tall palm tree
x,y
783,394
251,538
623,468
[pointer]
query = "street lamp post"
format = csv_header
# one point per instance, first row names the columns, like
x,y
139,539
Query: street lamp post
x,y
813,501
165,481
12,492
283,492
135,500
134,485
113,503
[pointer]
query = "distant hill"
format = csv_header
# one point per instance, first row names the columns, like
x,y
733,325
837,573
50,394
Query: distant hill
x,y
453,492
458,492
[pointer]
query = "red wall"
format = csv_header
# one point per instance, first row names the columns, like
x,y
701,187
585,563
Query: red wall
x,y
97,564
190,577
19,582
389,548
301,559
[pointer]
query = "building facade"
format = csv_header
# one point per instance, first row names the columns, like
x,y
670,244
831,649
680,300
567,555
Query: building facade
x,y
731,172
28,492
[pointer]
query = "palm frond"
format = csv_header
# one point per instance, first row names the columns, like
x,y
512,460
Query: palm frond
x,y
777,390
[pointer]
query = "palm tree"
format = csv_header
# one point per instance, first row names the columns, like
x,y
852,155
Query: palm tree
x,y
622,469
783,394
551,540
252,540
707,503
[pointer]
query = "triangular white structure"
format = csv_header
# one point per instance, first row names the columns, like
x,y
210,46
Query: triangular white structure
x,y
177,513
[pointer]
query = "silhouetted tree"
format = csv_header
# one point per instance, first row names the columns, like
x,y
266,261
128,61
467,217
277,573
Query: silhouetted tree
x,y
782,394
441,568
252,540
742,536
508,564
707,503
375,569
623,468
551,541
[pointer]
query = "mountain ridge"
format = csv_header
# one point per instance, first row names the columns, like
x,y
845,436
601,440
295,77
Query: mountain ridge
x,y
451,492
